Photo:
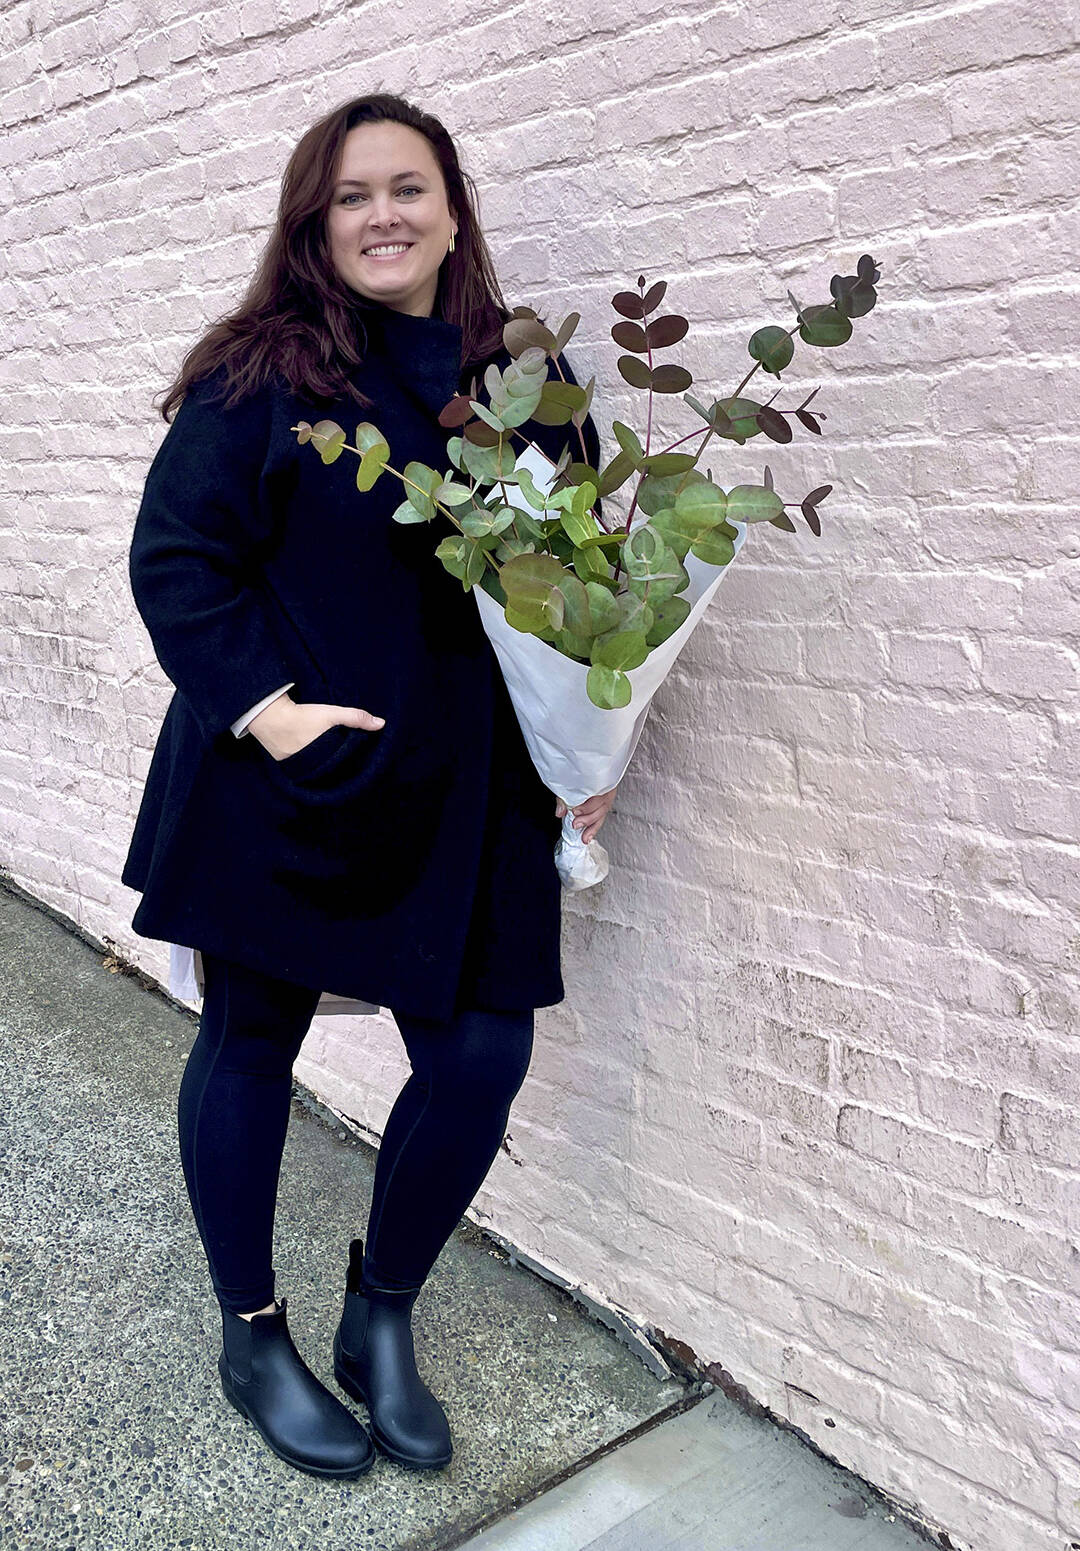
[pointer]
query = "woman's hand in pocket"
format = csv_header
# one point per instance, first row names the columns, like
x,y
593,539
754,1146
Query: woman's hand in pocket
x,y
285,727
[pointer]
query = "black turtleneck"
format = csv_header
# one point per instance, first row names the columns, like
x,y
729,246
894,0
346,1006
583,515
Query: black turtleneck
x,y
423,351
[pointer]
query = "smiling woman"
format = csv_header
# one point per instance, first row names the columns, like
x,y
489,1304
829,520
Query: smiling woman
x,y
383,835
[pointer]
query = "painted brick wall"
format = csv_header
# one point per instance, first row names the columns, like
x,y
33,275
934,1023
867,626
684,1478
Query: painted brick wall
x,y
811,1103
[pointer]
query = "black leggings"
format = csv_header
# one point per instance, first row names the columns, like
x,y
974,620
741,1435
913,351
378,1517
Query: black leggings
x,y
439,1142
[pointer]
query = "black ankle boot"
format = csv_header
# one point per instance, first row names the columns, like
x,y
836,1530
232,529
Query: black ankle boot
x,y
268,1381
374,1361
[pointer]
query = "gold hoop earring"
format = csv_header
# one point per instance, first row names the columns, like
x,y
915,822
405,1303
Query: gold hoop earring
x,y
451,249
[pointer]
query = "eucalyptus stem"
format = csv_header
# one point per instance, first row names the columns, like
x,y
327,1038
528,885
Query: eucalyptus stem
x,y
388,468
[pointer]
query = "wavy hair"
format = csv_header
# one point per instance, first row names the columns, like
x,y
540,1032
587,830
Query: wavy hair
x,y
298,318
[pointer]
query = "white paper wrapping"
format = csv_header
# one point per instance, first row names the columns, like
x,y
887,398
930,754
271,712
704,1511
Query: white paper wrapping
x,y
578,749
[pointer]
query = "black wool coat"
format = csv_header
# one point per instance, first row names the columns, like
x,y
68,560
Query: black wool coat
x,y
410,866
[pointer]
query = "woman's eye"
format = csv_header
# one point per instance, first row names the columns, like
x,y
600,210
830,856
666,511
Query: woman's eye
x,y
409,190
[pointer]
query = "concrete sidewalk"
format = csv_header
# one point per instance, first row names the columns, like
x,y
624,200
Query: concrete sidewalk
x,y
115,1430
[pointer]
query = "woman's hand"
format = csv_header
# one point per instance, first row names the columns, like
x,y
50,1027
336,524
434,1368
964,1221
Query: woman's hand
x,y
285,726
590,814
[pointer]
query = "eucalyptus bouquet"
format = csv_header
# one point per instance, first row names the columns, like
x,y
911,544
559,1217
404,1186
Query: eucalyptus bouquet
x,y
581,616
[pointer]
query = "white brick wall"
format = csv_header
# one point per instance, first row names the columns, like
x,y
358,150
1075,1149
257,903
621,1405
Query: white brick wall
x,y
810,1105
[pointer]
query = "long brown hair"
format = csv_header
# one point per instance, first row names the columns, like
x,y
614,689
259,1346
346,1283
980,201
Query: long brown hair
x,y
298,318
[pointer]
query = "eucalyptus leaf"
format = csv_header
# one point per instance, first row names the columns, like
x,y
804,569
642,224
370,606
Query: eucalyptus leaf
x,y
623,649
426,478
451,493
629,442
742,415
646,554
603,609
702,502
773,347
824,327
329,438
589,563
715,548
576,614
668,616
753,503
374,452
486,415
453,552
607,688
407,512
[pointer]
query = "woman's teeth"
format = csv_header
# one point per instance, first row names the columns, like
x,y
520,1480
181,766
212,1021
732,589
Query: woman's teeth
x,y
388,253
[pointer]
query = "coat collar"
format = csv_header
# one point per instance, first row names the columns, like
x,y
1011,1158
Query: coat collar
x,y
423,352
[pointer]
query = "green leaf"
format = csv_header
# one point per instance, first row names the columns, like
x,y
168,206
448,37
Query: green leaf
x,y
528,488
577,619
647,555
773,347
453,552
677,531
608,688
616,473
715,548
669,462
578,523
753,503
452,493
374,453
656,588
475,565
407,512
520,619
668,615
824,327
622,649
589,563
528,526
628,441
488,465
510,546
329,439
532,584
603,609
481,522
658,491
702,503
487,417
428,480
742,414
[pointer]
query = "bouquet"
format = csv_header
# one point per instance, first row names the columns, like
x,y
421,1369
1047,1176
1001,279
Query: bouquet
x,y
587,621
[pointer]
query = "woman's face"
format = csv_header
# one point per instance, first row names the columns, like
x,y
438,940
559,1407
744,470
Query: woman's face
x,y
389,190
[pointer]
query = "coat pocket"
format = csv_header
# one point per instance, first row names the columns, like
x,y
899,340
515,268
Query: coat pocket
x,y
336,762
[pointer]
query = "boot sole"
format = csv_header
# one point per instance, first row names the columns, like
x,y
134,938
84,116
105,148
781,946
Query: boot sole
x,y
349,1473
352,1388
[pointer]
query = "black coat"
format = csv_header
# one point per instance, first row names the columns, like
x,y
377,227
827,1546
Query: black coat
x,y
411,866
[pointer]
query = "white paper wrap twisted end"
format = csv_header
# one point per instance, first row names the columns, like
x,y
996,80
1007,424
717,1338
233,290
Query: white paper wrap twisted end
x,y
578,749
579,865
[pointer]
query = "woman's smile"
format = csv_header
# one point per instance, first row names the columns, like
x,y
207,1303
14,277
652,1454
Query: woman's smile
x,y
383,253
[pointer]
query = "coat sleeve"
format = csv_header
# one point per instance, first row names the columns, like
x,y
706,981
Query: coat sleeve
x,y
197,532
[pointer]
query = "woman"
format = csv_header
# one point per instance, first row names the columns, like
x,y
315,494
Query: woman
x,y
340,797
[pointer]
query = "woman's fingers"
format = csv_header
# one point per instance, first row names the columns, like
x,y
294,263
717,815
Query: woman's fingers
x,y
588,815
